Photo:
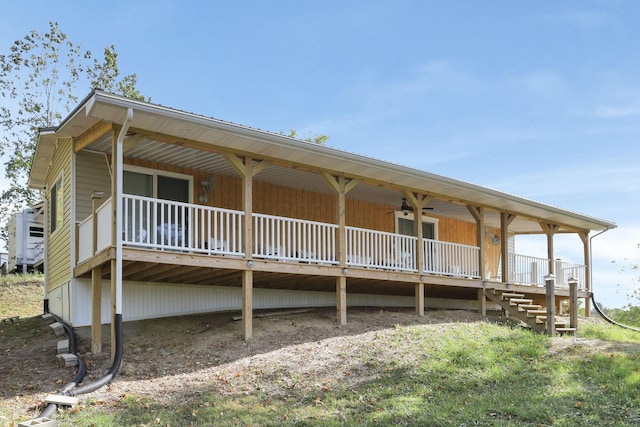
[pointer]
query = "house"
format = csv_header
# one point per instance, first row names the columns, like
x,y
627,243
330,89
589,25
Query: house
x,y
153,212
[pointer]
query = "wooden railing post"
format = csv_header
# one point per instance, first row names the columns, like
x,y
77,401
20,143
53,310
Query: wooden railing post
x,y
573,302
550,282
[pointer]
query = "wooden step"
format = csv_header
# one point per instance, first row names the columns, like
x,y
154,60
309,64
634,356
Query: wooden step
x,y
517,301
571,331
559,323
508,295
535,313
530,307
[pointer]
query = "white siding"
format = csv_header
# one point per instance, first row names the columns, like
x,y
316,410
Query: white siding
x,y
151,300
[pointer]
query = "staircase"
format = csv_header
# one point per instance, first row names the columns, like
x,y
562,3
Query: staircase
x,y
523,309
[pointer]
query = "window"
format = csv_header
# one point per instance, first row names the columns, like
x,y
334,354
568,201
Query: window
x,y
404,225
57,205
161,222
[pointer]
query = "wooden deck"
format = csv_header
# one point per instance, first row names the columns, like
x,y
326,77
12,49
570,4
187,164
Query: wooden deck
x,y
146,265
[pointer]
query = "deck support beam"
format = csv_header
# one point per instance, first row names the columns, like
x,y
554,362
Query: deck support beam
x,y
550,283
482,302
341,300
573,302
247,304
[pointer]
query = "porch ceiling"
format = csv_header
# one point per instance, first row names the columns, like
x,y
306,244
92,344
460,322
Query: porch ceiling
x,y
196,141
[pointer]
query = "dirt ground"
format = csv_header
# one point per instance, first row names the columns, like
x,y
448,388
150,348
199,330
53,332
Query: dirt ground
x,y
190,353
193,355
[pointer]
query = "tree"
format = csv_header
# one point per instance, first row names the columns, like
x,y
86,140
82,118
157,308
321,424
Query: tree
x,y
630,313
39,78
318,139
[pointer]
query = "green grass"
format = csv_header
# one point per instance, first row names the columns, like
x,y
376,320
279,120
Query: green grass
x,y
475,374
21,295
460,374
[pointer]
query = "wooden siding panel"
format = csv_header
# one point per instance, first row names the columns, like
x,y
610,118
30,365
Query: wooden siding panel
x,y
92,174
59,250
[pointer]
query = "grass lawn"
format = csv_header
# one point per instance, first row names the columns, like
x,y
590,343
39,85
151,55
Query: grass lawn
x,y
442,374
460,374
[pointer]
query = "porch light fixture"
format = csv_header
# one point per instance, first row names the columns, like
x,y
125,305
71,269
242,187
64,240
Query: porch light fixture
x,y
345,270
250,263
207,187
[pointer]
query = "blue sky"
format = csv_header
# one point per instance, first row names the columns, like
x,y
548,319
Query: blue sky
x,y
535,98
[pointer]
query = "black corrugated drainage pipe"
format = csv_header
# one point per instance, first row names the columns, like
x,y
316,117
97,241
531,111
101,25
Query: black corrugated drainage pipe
x,y
115,366
80,374
608,319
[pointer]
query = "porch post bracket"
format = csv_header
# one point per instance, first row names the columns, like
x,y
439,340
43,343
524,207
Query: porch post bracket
x,y
334,183
417,200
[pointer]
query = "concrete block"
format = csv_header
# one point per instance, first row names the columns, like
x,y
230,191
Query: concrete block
x,y
47,317
61,400
67,359
57,328
40,422
63,346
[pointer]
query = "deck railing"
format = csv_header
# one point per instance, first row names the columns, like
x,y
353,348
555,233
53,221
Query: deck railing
x,y
377,249
532,270
167,225
451,259
281,238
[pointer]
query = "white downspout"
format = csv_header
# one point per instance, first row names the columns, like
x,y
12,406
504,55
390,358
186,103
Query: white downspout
x,y
118,197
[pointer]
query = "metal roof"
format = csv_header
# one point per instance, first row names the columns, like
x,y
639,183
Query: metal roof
x,y
199,141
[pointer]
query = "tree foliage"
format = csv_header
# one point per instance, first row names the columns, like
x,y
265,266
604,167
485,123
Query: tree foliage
x,y
317,139
40,77
630,313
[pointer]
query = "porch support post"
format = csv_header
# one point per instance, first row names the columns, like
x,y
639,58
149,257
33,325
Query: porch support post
x,y
341,281
550,283
573,302
418,201
247,169
550,230
341,186
584,236
477,212
96,282
482,302
505,220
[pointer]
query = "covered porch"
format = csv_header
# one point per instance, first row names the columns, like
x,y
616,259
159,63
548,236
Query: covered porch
x,y
215,202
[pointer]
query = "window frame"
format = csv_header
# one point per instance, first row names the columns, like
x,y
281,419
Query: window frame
x,y
156,172
56,204
411,216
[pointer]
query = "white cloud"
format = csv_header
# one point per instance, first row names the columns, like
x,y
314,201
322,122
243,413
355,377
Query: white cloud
x,y
616,111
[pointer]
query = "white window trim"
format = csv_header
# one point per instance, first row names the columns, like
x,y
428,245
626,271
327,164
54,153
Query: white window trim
x,y
411,216
156,172
54,189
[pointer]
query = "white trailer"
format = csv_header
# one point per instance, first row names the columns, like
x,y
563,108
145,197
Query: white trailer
x,y
26,240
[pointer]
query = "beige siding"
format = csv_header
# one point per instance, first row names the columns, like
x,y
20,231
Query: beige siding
x,y
59,250
92,174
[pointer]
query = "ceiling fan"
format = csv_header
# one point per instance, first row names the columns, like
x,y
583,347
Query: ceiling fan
x,y
406,207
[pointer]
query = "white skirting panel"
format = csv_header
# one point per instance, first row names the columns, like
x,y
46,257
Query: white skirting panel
x,y
143,300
